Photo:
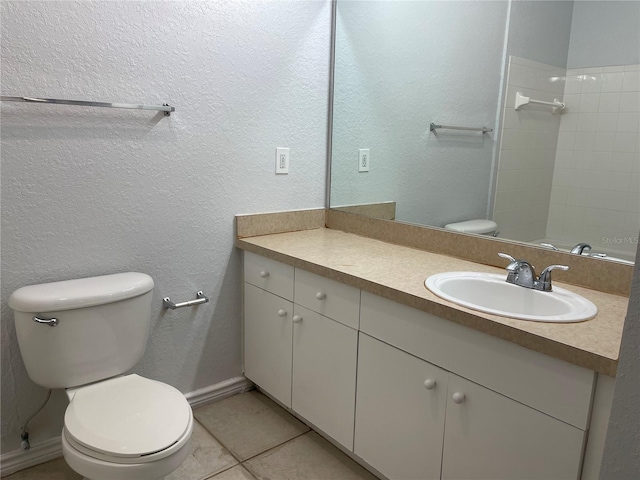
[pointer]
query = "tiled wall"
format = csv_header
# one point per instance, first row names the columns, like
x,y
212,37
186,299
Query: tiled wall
x,y
527,151
596,182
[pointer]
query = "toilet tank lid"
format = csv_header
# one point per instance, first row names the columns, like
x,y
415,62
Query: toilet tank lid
x,y
80,293
473,226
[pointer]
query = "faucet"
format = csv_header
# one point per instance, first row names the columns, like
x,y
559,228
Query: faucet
x,y
523,274
581,248
548,245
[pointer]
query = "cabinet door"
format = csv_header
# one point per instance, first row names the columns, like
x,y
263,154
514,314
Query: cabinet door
x,y
489,436
324,374
267,342
400,412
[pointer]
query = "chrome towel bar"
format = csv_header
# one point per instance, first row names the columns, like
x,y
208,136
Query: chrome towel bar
x,y
167,303
166,108
433,127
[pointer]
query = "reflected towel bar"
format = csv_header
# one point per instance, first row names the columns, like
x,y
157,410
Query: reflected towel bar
x,y
167,303
166,108
433,127
522,100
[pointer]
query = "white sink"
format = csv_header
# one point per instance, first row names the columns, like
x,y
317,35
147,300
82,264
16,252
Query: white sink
x,y
490,293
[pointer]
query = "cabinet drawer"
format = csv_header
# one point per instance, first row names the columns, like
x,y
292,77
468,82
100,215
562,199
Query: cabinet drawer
x,y
327,297
552,386
272,276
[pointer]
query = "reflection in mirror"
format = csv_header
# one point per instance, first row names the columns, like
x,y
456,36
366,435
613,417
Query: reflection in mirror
x,y
545,174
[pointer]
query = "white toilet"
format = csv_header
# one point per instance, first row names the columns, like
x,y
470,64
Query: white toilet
x,y
82,335
479,226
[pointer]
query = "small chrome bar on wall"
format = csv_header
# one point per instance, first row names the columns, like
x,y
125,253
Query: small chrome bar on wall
x,y
167,303
433,127
166,108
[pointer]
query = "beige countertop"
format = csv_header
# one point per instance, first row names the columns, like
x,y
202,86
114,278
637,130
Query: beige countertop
x,y
398,273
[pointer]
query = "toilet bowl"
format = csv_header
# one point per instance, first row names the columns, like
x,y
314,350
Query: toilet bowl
x,y
479,226
83,335
126,428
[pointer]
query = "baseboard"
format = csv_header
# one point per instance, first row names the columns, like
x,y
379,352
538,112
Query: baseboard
x,y
218,391
17,460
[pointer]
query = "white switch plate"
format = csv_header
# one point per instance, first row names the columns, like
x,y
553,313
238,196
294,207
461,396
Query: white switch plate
x,y
363,160
282,161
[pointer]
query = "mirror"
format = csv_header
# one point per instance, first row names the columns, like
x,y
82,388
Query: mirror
x,y
560,176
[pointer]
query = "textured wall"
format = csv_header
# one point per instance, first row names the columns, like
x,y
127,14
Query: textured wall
x,y
96,191
622,448
400,66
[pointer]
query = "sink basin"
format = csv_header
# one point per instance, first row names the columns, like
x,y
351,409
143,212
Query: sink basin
x,y
490,293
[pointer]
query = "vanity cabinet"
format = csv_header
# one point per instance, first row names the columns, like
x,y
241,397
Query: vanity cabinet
x,y
432,399
305,360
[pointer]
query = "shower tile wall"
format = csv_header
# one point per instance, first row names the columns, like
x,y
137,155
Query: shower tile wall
x,y
596,182
527,151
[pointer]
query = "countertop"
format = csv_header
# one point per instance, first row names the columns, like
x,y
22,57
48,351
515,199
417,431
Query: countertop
x,y
398,273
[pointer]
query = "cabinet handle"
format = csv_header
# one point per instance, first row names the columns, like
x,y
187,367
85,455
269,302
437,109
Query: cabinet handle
x,y
458,397
321,295
264,274
282,313
296,319
429,384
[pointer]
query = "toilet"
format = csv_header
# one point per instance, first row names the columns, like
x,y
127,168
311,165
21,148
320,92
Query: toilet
x,y
482,227
84,335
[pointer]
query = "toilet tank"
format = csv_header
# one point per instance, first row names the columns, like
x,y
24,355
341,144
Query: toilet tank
x,y
102,329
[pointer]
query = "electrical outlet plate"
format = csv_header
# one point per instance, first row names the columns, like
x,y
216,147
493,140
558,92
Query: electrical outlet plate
x,y
282,161
363,160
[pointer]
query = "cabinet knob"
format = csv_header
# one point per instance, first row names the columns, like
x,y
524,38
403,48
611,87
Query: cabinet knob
x,y
264,274
321,295
296,319
282,312
458,397
429,384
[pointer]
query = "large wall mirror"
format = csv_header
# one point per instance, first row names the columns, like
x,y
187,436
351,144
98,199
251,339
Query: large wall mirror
x,y
545,174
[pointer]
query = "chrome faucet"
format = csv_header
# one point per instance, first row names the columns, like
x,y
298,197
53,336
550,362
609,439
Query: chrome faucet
x,y
523,274
581,248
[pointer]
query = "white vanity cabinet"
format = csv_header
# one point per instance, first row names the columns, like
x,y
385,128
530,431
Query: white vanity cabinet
x,y
304,359
508,412
432,399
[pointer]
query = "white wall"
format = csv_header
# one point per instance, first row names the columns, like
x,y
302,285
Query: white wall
x,y
386,97
604,33
96,191
539,30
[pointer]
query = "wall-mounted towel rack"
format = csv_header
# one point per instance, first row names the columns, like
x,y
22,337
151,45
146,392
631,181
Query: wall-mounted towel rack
x,y
522,100
433,127
166,108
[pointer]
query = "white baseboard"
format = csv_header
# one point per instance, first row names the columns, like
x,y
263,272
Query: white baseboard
x,y
17,460
218,391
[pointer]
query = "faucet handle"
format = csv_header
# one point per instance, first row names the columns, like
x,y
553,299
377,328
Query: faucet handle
x,y
507,256
544,281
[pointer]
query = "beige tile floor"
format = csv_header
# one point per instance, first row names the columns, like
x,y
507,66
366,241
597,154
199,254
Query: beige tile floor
x,y
244,437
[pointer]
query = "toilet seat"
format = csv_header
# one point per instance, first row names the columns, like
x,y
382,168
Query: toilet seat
x,y
129,419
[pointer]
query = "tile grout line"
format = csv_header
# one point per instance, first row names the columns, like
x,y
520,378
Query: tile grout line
x,y
236,458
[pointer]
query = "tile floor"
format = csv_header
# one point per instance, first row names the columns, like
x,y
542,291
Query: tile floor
x,y
244,437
